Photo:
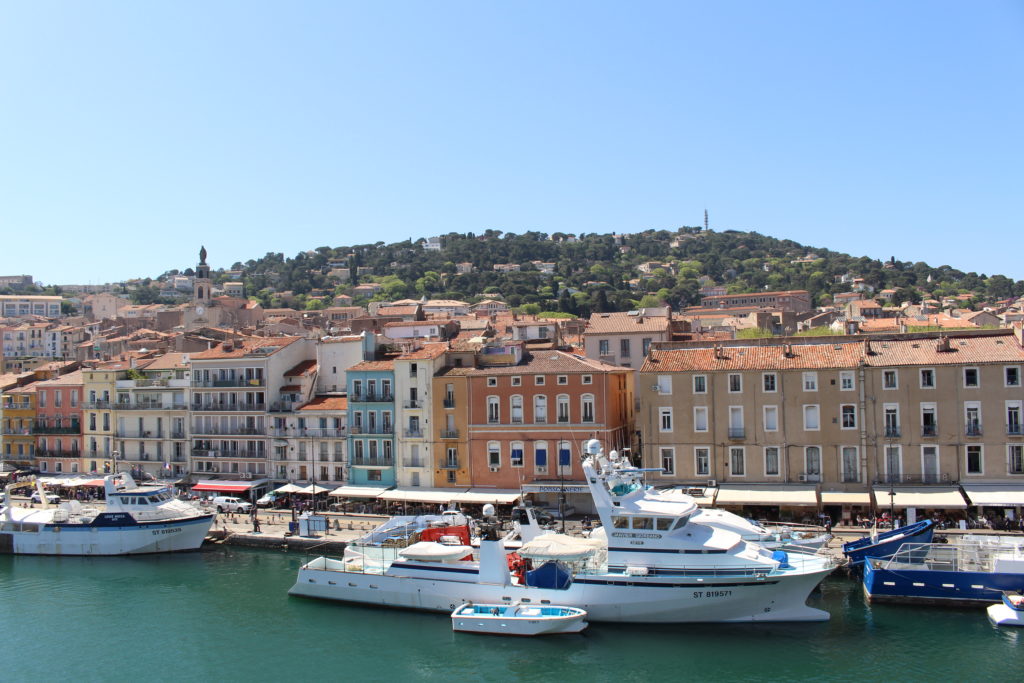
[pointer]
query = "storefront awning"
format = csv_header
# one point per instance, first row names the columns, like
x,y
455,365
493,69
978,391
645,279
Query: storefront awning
x,y
226,485
733,494
939,497
845,498
556,487
995,495
496,496
313,489
357,491
422,495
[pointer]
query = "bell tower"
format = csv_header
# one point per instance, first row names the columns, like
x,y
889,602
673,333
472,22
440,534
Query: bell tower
x,y
201,284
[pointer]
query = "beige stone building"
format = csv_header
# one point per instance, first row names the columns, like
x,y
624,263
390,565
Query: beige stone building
x,y
789,425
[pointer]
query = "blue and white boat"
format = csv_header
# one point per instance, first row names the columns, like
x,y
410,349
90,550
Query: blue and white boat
x,y
137,519
977,569
518,619
1008,612
883,545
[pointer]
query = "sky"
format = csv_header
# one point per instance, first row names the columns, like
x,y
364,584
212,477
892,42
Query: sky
x,y
133,132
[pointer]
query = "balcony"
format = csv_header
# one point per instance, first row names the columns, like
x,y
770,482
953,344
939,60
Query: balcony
x,y
324,432
149,405
369,461
892,432
449,403
411,404
229,431
449,433
1014,429
450,464
737,433
372,397
218,453
46,453
929,430
151,383
135,434
927,478
74,428
96,405
238,382
810,476
384,430
284,406
413,433
414,462
230,407
973,429
176,434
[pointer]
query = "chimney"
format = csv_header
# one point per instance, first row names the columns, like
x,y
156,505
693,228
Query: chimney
x,y
787,350
867,348
718,352
639,320
943,344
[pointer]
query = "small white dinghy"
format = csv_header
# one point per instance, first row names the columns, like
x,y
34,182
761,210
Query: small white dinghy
x,y
518,619
1009,612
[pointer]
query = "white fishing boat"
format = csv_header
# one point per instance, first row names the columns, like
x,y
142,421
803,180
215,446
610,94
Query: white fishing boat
x,y
137,519
1009,611
518,619
657,563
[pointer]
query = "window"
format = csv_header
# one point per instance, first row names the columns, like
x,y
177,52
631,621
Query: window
x,y
736,430
929,422
846,381
516,409
810,381
889,379
564,457
1013,409
540,408
971,378
700,384
771,461
1015,458
562,379
812,422
848,416
738,461
646,345
588,379
587,405
602,348
624,348
893,464
735,383
42,399
850,464
562,408
770,382
974,459
700,419
516,457
373,475
972,415
668,461
665,384
1011,376
492,381
812,463
493,409
665,419
493,454
927,378
702,461
540,457
771,418
538,380
517,381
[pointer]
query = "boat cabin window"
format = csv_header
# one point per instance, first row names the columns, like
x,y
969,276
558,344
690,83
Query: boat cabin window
x,y
663,523
620,522
681,522
643,523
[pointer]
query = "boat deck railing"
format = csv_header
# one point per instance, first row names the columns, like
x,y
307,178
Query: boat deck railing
x,y
969,555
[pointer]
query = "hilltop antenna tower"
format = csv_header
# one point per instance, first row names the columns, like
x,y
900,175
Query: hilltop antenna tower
x,y
705,220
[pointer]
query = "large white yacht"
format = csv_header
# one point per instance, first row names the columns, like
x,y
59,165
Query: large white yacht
x,y
138,519
656,562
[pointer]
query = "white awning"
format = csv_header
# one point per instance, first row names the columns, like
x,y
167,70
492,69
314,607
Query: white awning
x,y
422,495
940,497
313,489
556,487
732,494
288,488
358,491
995,495
497,496
845,498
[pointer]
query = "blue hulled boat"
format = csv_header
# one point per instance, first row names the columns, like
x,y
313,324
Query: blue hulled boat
x,y
976,569
885,544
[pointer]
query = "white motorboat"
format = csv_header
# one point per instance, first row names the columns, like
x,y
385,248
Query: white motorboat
x,y
657,564
1008,612
137,519
518,619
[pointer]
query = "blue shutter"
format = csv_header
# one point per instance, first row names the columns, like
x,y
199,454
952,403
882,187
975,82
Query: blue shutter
x,y
563,457
541,455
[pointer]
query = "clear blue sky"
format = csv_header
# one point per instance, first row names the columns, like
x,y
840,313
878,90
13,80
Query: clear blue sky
x,y
132,132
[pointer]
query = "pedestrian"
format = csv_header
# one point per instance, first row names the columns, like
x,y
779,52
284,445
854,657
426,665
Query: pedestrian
x,y
255,521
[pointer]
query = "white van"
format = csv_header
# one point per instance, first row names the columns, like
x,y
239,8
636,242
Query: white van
x,y
231,504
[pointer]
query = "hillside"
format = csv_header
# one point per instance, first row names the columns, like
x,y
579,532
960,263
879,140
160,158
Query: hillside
x,y
599,272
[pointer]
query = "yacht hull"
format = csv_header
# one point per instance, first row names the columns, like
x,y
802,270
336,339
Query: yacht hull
x,y
82,539
614,598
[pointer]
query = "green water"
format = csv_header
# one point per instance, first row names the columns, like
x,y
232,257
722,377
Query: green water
x,y
224,615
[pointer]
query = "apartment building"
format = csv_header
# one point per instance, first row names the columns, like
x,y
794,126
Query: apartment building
x,y
58,425
624,339
99,387
797,301
19,417
23,306
371,423
414,373
309,443
840,422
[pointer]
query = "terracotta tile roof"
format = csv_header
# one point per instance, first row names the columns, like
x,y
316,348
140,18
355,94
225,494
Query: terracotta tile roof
x,y
373,365
72,378
240,349
168,361
305,367
1001,348
543,362
428,352
398,310
327,403
623,323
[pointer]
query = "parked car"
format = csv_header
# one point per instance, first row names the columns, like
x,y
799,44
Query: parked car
x,y
267,500
51,498
232,504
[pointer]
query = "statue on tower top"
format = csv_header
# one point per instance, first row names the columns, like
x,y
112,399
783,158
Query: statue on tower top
x,y
202,256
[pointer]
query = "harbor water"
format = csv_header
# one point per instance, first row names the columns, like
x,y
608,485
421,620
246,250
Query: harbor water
x,y
224,614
